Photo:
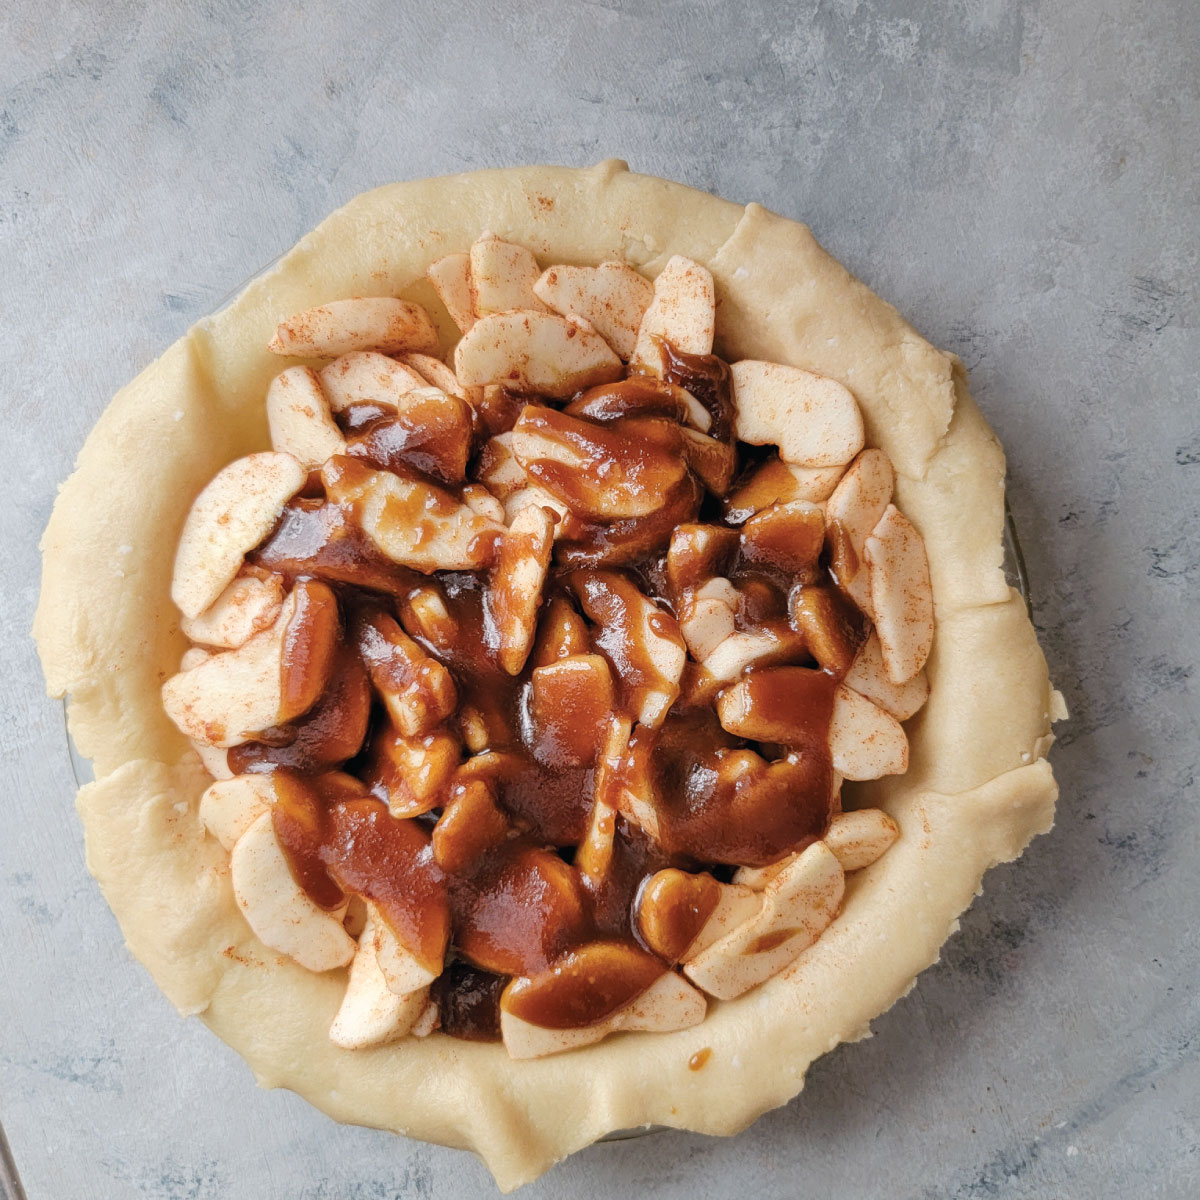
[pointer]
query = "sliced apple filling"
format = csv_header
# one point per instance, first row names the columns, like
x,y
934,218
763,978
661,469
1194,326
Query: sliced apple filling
x,y
528,678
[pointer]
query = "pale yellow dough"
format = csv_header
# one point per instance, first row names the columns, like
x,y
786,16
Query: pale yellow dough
x,y
978,789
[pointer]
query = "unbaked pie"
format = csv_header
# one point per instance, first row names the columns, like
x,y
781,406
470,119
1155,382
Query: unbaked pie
x,y
596,628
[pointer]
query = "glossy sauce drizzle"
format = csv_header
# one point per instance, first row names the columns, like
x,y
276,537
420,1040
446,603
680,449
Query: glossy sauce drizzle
x,y
514,904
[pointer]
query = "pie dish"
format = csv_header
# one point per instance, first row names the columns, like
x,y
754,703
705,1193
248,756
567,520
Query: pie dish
x,y
975,790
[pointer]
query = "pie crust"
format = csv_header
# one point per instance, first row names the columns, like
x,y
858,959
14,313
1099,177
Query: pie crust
x,y
977,790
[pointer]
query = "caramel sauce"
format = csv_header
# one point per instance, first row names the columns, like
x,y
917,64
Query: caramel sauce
x,y
479,873
682,903
431,435
310,643
585,986
519,911
699,1060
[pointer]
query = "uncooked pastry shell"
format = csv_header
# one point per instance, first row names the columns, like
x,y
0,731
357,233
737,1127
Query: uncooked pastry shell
x,y
978,788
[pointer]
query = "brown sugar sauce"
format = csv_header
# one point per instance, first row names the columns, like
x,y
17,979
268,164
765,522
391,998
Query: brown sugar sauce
x,y
493,899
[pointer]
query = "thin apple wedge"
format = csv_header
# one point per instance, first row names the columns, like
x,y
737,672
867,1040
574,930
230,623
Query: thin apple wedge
x,y
798,903
851,513
235,511
612,298
451,279
247,606
869,678
860,837
229,807
371,1014
300,418
901,594
866,742
366,377
813,419
534,352
380,323
682,311
278,909
502,277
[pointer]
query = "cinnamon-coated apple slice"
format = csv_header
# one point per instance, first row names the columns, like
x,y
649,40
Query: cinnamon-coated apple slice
x,y
682,311
278,909
247,606
612,298
451,279
380,323
300,418
371,1014
798,904
865,741
235,511
502,277
366,377
814,420
901,594
229,807
869,678
535,352
860,837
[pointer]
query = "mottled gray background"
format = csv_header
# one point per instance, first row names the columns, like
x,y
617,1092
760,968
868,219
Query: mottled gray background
x,y
1019,177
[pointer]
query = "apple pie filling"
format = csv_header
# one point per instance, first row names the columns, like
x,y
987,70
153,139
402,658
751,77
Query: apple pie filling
x,y
528,680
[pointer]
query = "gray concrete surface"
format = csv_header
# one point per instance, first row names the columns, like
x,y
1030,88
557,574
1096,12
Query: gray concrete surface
x,y
1019,176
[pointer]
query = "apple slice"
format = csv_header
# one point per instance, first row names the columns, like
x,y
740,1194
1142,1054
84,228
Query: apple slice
x,y
229,697
498,468
612,298
229,807
600,472
593,857
682,311
901,594
438,375
798,904
852,512
365,377
779,482
451,279
370,1013
732,656
380,323
247,606
502,277
278,909
619,986
813,420
865,741
514,592
708,617
235,511
479,500
680,914
417,690
412,522
471,824
860,837
641,641
300,418
414,773
534,352
213,759
869,678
